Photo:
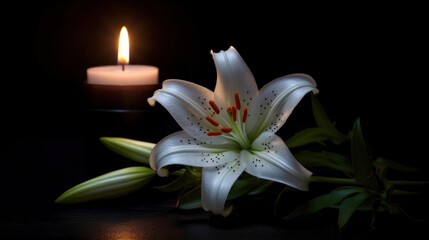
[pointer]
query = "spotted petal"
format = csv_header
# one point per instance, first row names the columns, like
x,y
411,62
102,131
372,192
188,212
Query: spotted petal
x,y
233,75
216,184
275,103
181,148
188,103
270,159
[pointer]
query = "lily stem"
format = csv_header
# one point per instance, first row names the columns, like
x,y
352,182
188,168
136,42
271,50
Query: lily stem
x,y
321,179
352,181
404,193
409,183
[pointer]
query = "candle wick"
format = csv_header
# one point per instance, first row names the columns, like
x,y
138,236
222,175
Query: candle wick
x,y
123,67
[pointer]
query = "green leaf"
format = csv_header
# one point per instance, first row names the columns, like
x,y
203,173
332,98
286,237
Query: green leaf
x,y
319,113
349,206
326,130
323,121
362,164
132,149
325,159
324,201
185,180
367,205
396,209
109,185
396,166
261,188
190,199
244,185
314,135
285,189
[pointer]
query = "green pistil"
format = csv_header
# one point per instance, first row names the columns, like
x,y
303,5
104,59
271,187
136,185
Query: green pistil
x,y
239,135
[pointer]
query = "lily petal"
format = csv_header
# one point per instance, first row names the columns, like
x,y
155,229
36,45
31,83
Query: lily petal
x,y
181,148
276,101
270,159
216,184
233,75
189,105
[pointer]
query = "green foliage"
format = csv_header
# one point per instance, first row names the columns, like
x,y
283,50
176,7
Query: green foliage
x,y
110,185
349,205
324,131
248,185
117,183
132,149
395,166
312,135
261,188
367,187
325,201
190,199
337,161
362,165
320,116
184,180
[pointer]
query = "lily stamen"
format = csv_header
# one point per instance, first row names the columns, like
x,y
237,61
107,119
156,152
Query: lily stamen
x,y
212,121
226,129
233,112
214,133
214,106
244,118
237,100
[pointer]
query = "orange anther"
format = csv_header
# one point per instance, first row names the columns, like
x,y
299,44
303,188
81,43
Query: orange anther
x,y
244,115
234,113
237,100
214,133
212,121
226,129
214,106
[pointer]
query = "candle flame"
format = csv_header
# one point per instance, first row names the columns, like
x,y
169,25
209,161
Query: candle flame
x,y
124,47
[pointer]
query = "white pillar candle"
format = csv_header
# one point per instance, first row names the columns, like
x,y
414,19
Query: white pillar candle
x,y
132,75
123,74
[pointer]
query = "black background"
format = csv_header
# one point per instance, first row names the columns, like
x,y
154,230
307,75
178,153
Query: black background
x,y
368,60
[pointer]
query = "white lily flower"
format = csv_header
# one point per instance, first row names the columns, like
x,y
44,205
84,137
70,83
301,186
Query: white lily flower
x,y
231,130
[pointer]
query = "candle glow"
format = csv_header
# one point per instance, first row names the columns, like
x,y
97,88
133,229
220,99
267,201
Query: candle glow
x,y
124,47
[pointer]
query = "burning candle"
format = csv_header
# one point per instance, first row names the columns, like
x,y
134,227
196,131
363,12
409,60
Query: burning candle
x,y
123,74
121,86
